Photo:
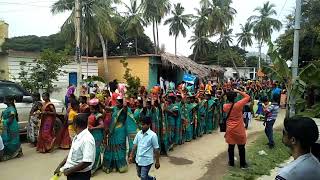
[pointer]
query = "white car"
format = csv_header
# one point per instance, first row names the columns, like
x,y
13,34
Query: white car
x,y
23,103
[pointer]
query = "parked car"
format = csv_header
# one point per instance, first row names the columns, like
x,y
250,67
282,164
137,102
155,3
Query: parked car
x,y
23,103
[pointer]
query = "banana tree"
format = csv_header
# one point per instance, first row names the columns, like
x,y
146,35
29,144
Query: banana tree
x,y
295,86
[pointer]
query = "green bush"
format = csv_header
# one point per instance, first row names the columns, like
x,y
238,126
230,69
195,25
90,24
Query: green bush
x,y
133,82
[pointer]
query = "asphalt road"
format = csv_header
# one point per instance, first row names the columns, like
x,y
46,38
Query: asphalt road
x,y
186,162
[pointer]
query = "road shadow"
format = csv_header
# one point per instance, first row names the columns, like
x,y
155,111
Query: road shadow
x,y
179,161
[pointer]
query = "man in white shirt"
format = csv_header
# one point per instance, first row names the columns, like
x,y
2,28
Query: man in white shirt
x,y
78,164
299,134
1,147
146,144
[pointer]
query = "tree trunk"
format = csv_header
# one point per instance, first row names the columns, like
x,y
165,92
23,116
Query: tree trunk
x,y
87,51
158,47
235,66
195,54
107,52
105,60
175,45
310,96
154,37
260,56
219,47
136,41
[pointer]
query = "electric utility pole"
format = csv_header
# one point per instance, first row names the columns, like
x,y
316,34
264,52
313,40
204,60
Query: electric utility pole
x,y
78,36
260,56
295,52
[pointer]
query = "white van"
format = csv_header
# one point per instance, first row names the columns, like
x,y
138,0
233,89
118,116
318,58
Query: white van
x,y
24,103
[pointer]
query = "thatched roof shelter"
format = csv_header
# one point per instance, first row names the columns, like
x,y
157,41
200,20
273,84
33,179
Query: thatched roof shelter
x,y
186,64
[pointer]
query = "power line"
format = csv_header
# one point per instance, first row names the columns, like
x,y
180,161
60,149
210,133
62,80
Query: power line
x,y
285,3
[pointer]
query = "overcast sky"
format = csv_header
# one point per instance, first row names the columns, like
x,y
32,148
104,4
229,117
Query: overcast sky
x,y
33,17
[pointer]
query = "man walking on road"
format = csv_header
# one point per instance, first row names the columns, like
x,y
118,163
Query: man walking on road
x,y
78,164
146,144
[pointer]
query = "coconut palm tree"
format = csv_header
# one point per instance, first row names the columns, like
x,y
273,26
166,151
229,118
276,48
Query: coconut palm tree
x,y
96,20
225,41
200,22
200,40
153,12
134,21
221,15
205,3
177,23
246,35
200,45
264,24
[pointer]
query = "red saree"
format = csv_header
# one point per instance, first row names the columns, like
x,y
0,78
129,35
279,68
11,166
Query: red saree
x,y
63,139
46,139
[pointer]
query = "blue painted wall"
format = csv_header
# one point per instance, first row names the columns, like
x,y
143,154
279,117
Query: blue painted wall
x,y
154,62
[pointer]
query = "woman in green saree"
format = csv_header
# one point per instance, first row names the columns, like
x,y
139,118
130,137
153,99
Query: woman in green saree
x,y
184,120
179,122
122,126
210,111
10,131
172,114
138,112
216,113
96,128
153,112
164,126
189,107
202,116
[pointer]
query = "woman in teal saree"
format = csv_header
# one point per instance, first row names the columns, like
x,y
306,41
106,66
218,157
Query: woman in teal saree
x,y
202,117
10,131
172,115
216,113
189,107
123,126
179,122
164,126
96,128
210,111
153,112
138,112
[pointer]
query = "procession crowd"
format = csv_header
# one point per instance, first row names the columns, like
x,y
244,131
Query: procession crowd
x,y
176,115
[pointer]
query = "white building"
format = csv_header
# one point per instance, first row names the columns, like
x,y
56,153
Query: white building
x,y
244,72
11,68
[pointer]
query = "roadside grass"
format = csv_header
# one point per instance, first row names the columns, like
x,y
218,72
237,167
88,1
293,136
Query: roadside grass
x,y
260,165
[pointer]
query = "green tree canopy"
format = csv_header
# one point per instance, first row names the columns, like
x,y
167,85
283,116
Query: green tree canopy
x,y
45,72
35,43
309,34
225,55
134,22
178,23
124,44
246,35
